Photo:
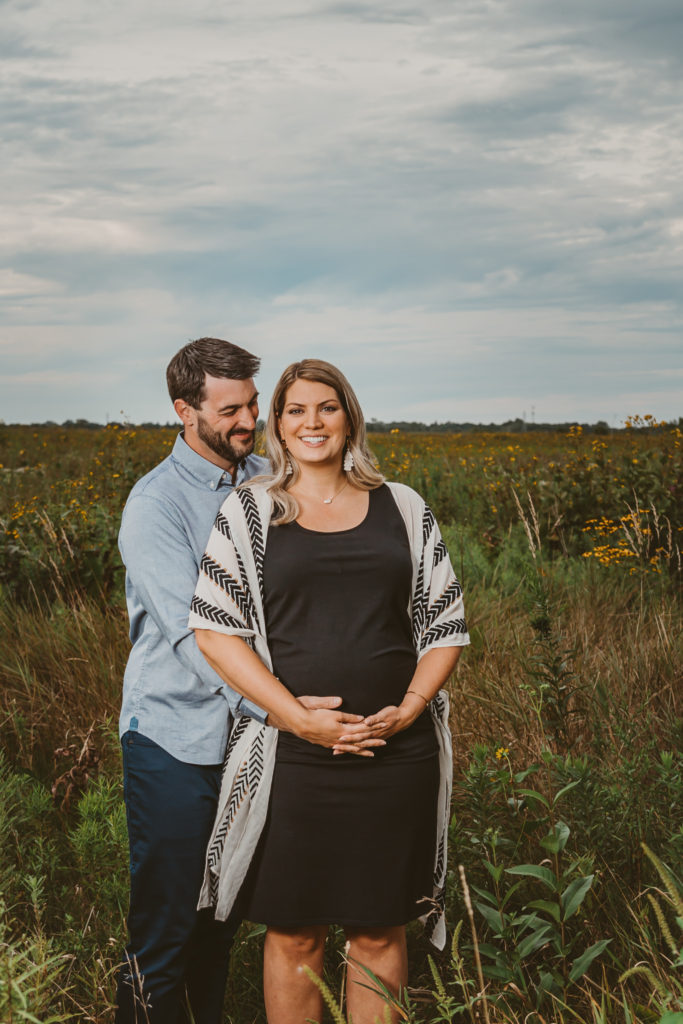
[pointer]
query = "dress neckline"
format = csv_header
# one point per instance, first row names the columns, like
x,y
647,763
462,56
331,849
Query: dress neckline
x,y
333,533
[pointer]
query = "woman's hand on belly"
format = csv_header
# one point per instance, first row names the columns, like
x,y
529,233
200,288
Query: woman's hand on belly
x,y
355,745
392,719
345,733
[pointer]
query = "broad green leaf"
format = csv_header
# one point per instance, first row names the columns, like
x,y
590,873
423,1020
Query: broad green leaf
x,y
533,794
490,897
492,917
550,908
671,1017
534,941
583,962
565,789
544,875
574,894
556,839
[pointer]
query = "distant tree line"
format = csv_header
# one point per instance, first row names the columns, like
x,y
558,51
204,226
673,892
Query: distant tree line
x,y
516,426
374,426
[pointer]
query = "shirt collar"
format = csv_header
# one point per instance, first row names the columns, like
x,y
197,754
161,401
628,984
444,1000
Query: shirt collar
x,y
207,473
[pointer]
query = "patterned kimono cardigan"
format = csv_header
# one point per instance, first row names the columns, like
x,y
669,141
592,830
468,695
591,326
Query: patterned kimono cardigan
x,y
229,599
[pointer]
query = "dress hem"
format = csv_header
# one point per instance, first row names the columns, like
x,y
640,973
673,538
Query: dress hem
x,y
339,923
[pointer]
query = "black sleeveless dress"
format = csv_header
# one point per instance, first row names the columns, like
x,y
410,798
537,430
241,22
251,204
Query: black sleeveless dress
x,y
348,840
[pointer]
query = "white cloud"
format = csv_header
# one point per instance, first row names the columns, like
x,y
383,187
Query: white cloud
x,y
14,285
372,177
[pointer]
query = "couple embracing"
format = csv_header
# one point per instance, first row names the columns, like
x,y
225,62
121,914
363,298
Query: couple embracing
x,y
285,739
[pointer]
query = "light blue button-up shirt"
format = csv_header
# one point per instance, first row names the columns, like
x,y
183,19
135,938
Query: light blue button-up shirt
x,y
170,693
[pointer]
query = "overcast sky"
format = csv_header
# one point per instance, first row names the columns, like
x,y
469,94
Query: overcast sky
x,y
474,207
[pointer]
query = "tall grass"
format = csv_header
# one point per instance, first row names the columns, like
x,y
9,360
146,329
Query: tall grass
x,y
566,716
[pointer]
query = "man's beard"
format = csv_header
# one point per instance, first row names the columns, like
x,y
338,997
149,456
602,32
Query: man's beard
x,y
221,445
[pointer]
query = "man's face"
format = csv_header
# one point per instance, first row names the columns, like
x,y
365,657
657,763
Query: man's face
x,y
223,428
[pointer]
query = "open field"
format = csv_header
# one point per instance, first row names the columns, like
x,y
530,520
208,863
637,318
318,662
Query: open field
x,y
566,713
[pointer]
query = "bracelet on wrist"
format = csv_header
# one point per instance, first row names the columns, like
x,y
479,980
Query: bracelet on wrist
x,y
426,702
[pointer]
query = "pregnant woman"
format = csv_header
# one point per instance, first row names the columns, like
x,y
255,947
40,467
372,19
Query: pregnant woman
x,y
325,579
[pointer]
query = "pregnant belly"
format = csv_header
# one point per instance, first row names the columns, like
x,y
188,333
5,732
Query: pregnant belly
x,y
366,681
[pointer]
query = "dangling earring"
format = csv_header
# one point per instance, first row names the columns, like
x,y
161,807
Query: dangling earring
x,y
347,464
289,469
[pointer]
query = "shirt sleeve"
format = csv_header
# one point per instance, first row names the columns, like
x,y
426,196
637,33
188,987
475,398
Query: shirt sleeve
x,y
161,568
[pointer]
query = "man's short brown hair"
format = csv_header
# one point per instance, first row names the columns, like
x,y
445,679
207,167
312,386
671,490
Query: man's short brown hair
x,y
186,373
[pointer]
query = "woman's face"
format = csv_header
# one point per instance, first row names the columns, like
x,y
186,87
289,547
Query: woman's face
x,y
313,424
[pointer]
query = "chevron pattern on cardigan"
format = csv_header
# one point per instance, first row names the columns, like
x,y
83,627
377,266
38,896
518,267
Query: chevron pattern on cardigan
x,y
440,552
450,595
236,733
240,788
229,585
222,525
214,852
255,765
253,521
256,622
443,631
428,524
419,602
246,782
212,613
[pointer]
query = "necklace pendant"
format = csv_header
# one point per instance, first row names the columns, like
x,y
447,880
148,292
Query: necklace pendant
x,y
327,501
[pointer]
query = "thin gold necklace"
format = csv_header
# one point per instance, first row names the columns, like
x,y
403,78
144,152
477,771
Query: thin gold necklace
x,y
327,501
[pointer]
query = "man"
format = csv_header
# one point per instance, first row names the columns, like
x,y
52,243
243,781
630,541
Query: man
x,y
176,711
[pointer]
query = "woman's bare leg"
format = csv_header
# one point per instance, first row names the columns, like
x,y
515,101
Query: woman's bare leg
x,y
289,994
383,951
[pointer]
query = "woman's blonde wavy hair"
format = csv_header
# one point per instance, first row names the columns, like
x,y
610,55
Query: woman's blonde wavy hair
x,y
364,474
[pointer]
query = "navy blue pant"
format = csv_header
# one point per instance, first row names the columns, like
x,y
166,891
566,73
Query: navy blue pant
x,y
177,956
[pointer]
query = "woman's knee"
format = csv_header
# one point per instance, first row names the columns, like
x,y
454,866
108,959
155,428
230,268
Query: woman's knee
x,y
297,944
374,942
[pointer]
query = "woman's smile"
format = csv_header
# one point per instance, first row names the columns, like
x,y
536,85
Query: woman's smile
x,y
315,439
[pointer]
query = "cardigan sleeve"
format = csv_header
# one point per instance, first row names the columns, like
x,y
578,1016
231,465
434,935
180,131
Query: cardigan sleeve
x,y
437,611
222,599
442,614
